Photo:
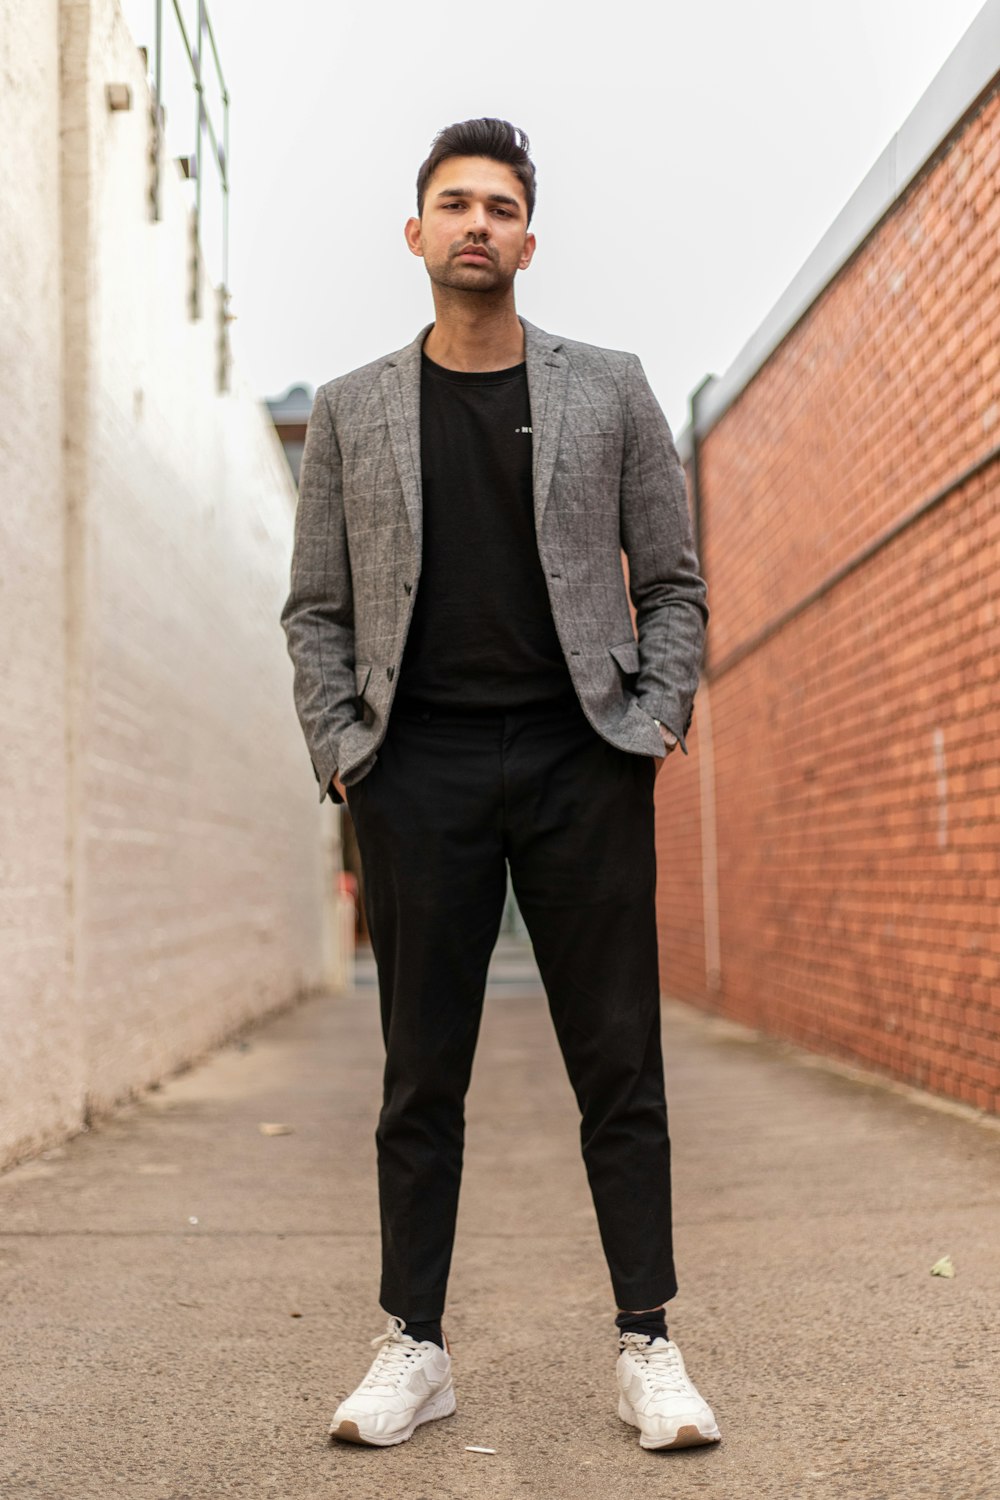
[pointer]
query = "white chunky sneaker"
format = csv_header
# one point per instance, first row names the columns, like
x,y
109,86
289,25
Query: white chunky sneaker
x,y
408,1383
658,1397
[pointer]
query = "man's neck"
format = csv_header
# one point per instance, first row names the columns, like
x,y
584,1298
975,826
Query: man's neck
x,y
475,334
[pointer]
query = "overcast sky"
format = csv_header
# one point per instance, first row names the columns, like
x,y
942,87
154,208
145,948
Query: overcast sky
x,y
689,158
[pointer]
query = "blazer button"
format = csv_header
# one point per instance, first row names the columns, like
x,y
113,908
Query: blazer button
x,y
389,672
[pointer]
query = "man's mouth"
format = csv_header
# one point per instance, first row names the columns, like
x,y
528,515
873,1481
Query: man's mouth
x,y
473,252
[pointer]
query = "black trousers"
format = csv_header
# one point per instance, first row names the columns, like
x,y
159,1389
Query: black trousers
x,y
451,800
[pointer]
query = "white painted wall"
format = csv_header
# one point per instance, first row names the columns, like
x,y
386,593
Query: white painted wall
x,y
40,1073
166,870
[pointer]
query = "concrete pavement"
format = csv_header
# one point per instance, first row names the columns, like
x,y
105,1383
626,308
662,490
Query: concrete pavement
x,y
185,1298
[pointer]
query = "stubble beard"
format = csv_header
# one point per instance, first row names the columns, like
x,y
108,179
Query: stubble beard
x,y
454,276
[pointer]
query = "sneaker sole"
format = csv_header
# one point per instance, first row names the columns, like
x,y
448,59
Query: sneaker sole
x,y
442,1405
689,1435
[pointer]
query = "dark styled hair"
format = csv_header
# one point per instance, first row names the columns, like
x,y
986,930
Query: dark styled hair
x,y
498,139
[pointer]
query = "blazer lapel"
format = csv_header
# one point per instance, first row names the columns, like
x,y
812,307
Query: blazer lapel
x,y
548,370
400,380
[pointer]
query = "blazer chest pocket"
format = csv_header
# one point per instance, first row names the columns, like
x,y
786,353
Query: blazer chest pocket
x,y
590,452
588,477
368,444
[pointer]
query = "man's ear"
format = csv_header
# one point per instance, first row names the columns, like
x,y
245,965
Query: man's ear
x,y
412,232
527,253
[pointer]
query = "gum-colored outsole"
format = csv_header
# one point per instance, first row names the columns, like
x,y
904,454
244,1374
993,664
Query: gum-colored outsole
x,y
687,1437
348,1432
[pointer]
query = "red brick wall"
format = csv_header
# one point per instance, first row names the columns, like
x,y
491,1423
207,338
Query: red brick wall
x,y
857,747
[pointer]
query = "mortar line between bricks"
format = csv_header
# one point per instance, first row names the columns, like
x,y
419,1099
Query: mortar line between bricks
x,y
714,670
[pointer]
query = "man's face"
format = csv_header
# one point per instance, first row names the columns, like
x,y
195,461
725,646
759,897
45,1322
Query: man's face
x,y
473,232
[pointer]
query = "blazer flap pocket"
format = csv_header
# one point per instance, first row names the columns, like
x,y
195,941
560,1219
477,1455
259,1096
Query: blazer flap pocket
x,y
627,655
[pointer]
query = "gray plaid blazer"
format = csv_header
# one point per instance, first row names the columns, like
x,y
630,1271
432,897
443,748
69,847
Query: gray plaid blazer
x,y
606,478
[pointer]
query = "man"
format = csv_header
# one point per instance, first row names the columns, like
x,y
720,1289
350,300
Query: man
x,y
467,675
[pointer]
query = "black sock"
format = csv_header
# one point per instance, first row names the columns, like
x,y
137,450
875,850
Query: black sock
x,y
429,1330
653,1323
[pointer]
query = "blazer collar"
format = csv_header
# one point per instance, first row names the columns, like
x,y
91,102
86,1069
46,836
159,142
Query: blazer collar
x,y
547,369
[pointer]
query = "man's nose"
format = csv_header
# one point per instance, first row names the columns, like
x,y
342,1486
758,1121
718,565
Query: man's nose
x,y
477,224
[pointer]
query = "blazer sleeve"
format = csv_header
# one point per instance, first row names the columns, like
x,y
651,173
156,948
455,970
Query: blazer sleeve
x,y
666,588
318,615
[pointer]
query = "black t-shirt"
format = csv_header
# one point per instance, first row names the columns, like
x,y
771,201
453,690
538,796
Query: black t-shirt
x,y
482,634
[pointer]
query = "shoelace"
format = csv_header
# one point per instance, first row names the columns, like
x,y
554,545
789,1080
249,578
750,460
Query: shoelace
x,y
662,1364
393,1359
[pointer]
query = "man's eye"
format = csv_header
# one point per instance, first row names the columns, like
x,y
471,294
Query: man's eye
x,y
503,212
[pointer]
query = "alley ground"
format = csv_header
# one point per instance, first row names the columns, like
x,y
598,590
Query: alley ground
x,y
185,1299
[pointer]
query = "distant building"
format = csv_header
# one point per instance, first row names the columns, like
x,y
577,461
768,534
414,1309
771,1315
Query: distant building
x,y
290,413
